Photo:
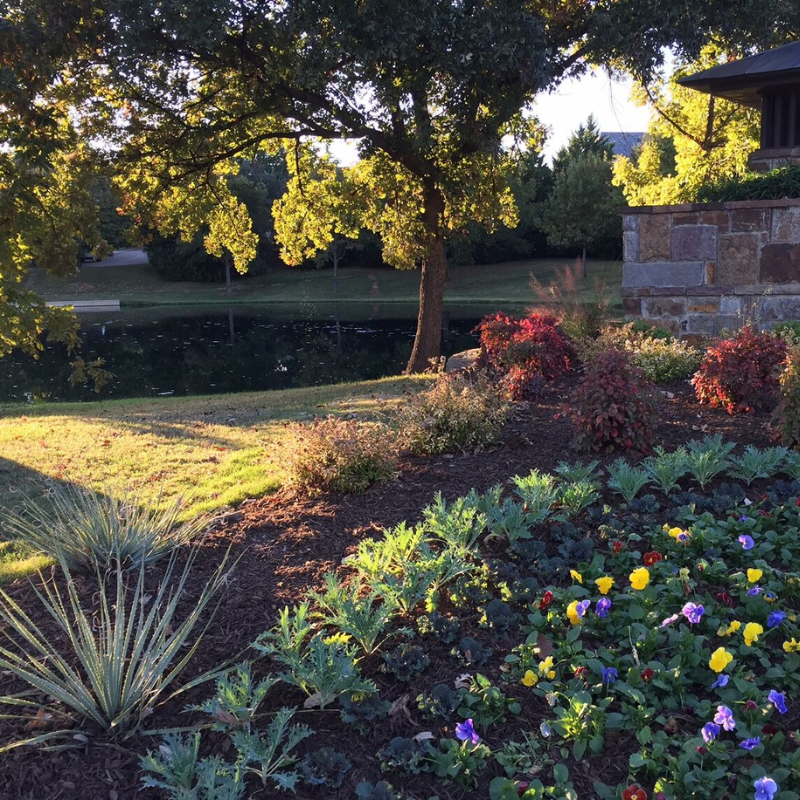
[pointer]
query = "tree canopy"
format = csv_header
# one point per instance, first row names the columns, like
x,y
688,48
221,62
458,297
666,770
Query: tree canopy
x,y
693,138
179,92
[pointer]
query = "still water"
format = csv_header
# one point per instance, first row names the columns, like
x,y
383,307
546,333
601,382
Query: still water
x,y
194,350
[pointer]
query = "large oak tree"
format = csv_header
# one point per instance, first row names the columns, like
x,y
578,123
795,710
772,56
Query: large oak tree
x,y
180,90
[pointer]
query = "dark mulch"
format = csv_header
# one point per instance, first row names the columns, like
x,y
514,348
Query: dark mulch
x,y
283,545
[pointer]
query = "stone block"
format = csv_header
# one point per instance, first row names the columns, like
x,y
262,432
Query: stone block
x,y
632,306
730,304
630,246
701,323
662,274
737,262
785,225
694,339
781,307
702,305
710,272
663,307
654,237
745,220
685,218
666,291
630,222
694,243
780,263
718,218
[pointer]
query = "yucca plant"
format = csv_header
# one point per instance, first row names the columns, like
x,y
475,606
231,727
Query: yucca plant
x,y
116,660
89,530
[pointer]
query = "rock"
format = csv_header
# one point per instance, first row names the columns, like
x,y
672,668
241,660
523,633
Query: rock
x,y
462,360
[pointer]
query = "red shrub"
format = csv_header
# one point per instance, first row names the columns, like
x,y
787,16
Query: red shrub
x,y
525,351
740,374
614,406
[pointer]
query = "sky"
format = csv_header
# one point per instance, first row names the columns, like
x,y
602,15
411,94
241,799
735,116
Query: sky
x,y
564,109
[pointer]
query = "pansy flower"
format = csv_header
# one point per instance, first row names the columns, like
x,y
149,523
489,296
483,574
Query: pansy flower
x,y
647,674
639,578
756,590
604,584
465,731
693,612
653,557
576,576
724,717
609,674
709,732
530,678
547,598
747,542
546,668
669,620
576,610
634,792
754,575
778,699
750,744
751,633
766,788
602,607
775,618
616,546
792,646
721,682
732,628
720,659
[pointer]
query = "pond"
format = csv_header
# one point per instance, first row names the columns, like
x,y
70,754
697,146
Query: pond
x,y
169,351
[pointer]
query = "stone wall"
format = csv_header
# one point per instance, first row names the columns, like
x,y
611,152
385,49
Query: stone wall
x,y
701,268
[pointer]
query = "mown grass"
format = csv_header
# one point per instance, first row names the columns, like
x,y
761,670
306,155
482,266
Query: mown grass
x,y
494,283
213,451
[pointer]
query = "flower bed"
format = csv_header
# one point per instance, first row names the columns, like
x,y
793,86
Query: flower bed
x,y
532,639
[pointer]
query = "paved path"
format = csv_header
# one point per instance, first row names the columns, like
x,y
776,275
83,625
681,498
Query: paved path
x,y
129,257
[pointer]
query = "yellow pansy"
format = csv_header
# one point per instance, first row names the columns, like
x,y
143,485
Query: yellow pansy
x,y
676,532
604,584
576,576
530,678
575,613
792,646
720,659
754,575
640,577
546,668
751,633
732,628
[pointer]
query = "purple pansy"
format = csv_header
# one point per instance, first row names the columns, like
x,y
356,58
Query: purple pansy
x,y
669,621
709,732
610,674
582,607
721,682
724,717
465,731
754,591
778,699
775,619
602,608
766,788
749,744
747,542
692,612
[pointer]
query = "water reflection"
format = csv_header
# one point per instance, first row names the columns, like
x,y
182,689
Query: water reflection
x,y
188,351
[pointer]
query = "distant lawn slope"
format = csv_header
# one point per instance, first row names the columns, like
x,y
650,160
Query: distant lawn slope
x,y
141,285
215,451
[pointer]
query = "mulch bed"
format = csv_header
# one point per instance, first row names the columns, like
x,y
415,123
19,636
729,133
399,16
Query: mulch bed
x,y
283,545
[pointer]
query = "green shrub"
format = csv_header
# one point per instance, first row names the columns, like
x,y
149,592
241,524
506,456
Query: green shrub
x,y
776,184
613,407
661,358
341,455
786,419
127,650
455,414
89,530
788,330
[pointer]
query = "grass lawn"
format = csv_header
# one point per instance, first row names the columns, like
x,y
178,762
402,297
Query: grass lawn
x,y
215,451
494,283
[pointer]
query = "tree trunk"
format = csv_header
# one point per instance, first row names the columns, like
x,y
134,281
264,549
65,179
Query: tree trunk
x,y
335,268
583,263
428,339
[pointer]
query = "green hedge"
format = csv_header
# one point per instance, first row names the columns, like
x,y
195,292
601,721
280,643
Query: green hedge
x,y
777,184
